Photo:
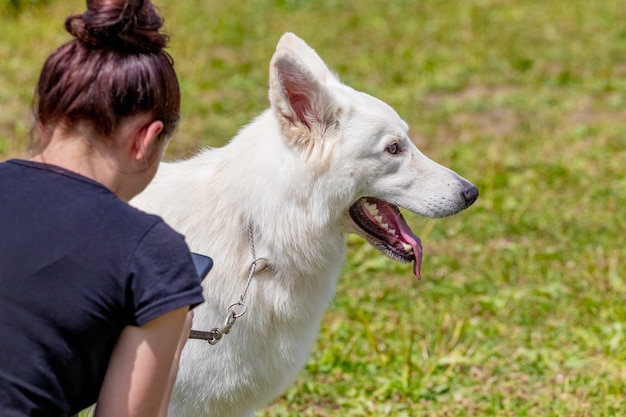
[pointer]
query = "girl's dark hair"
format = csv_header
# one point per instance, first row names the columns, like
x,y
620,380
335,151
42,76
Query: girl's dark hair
x,y
114,67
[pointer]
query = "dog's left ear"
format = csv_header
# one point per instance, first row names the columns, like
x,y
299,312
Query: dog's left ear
x,y
303,103
309,57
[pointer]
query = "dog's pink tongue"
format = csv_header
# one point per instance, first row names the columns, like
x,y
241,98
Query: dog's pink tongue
x,y
416,243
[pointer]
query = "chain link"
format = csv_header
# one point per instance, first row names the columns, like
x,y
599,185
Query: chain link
x,y
235,310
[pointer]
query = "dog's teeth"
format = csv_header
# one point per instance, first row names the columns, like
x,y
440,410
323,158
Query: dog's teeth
x,y
407,247
392,231
372,208
385,226
379,219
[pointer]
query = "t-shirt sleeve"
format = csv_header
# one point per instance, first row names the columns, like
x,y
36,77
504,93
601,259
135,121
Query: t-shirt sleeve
x,y
162,276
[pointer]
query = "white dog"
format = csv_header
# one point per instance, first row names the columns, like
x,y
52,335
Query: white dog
x,y
323,161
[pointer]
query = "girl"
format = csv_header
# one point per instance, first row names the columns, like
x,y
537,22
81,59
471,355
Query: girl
x,y
94,294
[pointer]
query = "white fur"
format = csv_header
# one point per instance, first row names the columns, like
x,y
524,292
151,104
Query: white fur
x,y
292,174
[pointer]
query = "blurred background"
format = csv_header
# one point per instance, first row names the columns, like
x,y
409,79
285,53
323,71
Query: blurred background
x,y
521,310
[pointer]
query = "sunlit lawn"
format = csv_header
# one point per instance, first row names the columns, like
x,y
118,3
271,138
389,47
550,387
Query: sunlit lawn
x,y
521,310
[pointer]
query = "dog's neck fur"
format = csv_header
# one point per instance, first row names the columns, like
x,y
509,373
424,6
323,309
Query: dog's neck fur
x,y
310,213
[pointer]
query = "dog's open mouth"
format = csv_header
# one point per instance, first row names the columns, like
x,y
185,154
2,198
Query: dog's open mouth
x,y
385,229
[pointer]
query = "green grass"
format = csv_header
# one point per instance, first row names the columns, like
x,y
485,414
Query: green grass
x,y
521,310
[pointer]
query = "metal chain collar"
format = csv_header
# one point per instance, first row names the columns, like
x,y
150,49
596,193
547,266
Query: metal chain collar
x,y
235,310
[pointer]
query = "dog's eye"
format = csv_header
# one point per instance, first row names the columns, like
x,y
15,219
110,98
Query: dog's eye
x,y
394,148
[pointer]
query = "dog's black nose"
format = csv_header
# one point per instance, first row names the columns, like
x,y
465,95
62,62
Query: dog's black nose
x,y
470,194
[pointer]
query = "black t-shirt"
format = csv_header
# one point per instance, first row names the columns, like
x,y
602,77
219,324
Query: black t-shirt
x,y
77,265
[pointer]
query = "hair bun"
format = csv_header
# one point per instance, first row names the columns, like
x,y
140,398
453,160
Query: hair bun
x,y
131,26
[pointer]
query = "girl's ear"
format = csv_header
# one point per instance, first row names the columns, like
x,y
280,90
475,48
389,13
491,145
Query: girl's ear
x,y
146,139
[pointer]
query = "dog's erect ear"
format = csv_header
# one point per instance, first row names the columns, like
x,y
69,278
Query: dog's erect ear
x,y
310,58
303,103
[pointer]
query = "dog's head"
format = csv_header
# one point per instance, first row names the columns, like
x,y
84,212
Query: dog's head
x,y
359,146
